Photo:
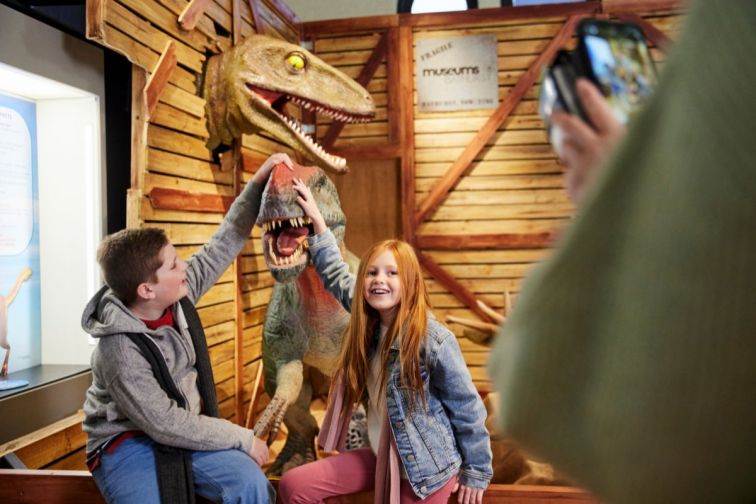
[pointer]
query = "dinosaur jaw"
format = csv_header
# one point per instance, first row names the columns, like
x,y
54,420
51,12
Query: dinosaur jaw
x,y
285,246
294,136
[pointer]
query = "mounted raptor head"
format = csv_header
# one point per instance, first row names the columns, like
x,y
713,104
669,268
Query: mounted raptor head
x,y
247,87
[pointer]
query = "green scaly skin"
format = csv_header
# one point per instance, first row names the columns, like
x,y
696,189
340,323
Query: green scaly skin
x,y
247,88
304,323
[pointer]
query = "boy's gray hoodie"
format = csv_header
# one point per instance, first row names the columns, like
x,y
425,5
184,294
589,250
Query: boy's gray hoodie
x,y
124,394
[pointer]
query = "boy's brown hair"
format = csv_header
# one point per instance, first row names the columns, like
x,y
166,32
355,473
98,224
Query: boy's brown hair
x,y
129,258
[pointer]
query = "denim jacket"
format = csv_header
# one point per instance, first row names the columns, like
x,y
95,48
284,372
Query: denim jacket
x,y
447,439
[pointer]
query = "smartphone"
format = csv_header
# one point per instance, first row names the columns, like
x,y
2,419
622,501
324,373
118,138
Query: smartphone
x,y
612,55
557,93
615,57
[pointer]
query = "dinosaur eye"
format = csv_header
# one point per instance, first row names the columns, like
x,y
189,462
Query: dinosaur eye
x,y
296,62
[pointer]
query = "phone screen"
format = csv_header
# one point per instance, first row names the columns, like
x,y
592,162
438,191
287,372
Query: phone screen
x,y
621,65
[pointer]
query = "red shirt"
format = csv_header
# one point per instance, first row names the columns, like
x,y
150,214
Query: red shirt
x,y
165,319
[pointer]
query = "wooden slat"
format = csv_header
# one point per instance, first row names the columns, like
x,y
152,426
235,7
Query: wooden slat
x,y
367,73
33,437
160,75
191,15
369,152
172,199
485,133
491,241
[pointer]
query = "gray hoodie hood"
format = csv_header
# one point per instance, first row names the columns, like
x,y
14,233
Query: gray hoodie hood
x,y
106,315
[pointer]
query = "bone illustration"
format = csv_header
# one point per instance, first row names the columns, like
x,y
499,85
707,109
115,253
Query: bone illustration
x,y
5,302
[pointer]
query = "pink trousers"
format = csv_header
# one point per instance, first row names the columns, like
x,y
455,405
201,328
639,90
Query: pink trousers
x,y
345,473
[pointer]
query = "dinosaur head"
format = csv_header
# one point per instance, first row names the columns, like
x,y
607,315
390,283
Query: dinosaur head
x,y
285,227
247,87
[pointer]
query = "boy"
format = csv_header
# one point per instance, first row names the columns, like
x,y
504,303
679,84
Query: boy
x,y
152,396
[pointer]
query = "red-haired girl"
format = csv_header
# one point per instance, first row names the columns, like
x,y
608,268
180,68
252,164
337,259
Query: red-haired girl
x,y
425,418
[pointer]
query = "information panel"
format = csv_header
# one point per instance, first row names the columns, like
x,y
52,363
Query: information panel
x,y
20,313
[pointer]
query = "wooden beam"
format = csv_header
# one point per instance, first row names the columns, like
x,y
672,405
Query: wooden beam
x,y
160,75
69,487
451,284
26,485
192,13
238,298
33,437
254,6
285,11
174,199
403,90
393,72
95,14
236,21
483,242
484,134
636,6
651,32
139,127
313,29
366,74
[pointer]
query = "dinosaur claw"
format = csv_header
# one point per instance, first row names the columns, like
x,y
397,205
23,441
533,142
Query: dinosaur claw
x,y
270,420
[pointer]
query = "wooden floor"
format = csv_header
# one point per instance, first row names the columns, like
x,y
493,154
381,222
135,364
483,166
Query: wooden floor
x,y
27,486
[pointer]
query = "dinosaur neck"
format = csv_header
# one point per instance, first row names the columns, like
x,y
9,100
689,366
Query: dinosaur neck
x,y
315,297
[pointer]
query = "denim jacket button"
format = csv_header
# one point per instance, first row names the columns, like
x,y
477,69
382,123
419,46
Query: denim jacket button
x,y
410,458
423,489
398,425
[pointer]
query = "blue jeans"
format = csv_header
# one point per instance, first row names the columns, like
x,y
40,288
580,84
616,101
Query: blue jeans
x,y
230,476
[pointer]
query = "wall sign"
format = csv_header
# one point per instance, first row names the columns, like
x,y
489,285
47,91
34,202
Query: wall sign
x,y
456,73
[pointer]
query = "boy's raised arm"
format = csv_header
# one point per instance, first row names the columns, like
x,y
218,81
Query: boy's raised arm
x,y
205,267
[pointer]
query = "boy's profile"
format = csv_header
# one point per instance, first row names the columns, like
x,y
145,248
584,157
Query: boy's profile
x,y
151,411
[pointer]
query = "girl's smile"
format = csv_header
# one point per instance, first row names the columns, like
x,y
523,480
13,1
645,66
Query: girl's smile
x,y
382,286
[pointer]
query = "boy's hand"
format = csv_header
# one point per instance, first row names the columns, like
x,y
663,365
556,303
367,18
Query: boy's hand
x,y
262,174
259,451
585,148
468,495
307,202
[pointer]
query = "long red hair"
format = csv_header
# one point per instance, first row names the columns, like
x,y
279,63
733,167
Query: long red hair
x,y
409,325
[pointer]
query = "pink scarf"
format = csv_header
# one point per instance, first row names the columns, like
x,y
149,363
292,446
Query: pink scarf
x,y
333,435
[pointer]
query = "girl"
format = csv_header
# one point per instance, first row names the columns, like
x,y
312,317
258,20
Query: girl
x,y
425,418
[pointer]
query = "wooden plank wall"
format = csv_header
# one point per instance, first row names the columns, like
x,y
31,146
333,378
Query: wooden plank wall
x,y
513,187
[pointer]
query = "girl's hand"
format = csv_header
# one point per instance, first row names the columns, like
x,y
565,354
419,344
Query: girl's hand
x,y
307,201
262,174
584,147
468,495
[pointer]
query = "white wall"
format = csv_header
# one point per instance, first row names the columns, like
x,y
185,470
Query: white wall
x,y
69,213
65,242
309,10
